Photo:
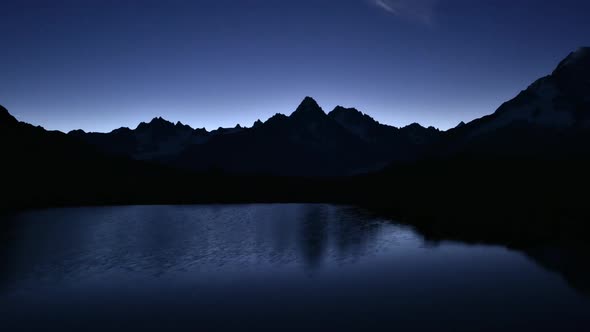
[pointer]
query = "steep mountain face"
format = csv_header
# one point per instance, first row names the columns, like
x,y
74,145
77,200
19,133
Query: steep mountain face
x,y
551,118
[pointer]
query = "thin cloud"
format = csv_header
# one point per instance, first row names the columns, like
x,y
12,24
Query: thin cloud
x,y
421,11
385,5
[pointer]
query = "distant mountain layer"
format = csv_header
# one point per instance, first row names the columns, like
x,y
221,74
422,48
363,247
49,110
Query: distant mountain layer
x,y
549,119
308,142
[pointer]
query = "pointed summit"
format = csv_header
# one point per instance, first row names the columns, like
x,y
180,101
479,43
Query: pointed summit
x,y
181,125
308,108
257,123
413,126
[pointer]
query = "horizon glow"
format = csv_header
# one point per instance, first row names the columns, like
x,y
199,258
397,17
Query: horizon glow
x,y
100,65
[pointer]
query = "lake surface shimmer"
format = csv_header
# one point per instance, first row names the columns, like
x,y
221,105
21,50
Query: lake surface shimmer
x,y
265,267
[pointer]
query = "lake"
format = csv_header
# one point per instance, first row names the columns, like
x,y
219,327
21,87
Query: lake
x,y
275,267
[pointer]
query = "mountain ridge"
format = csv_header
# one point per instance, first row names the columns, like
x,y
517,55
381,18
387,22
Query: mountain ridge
x,y
550,116
307,131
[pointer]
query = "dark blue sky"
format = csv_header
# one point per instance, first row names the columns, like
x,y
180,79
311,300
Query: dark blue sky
x,y
99,65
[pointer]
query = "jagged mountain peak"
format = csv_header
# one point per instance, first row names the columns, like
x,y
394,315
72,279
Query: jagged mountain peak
x,y
277,117
155,122
350,114
160,119
183,126
309,101
344,110
257,123
414,125
307,109
340,108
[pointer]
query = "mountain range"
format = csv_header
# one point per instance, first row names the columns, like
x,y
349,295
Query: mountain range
x,y
308,142
549,118
549,121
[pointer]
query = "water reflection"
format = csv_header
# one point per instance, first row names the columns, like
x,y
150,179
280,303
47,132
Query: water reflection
x,y
286,260
313,235
571,263
68,243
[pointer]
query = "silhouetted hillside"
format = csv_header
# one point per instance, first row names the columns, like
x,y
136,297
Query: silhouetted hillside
x,y
514,176
41,167
549,119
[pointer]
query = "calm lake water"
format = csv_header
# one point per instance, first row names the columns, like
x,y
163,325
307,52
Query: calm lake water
x,y
276,267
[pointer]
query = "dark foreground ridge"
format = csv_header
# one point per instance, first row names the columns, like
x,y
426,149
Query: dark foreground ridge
x,y
516,175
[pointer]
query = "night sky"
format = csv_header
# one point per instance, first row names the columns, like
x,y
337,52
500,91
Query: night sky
x,y
100,65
